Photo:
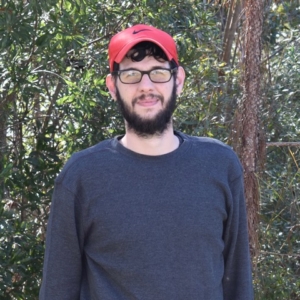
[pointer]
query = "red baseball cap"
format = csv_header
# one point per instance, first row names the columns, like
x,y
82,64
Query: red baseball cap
x,y
123,41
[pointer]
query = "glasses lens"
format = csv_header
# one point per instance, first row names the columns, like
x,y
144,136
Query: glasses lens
x,y
130,76
135,76
160,75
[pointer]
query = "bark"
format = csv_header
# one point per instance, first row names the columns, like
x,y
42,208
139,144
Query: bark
x,y
232,22
249,137
3,120
3,143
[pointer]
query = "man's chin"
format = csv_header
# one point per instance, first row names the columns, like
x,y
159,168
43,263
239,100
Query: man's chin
x,y
148,126
147,117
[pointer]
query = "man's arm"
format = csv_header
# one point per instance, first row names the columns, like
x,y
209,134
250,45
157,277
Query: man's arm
x,y
62,261
237,281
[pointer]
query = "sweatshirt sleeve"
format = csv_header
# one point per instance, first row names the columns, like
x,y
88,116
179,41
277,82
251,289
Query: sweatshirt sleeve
x,y
62,262
237,280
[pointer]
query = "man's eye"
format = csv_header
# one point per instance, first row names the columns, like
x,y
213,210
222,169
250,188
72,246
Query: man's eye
x,y
158,72
131,73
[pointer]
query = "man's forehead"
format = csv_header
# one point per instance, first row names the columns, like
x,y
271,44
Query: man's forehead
x,y
148,61
135,53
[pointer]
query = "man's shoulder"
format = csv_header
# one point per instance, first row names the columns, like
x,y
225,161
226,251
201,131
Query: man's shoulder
x,y
212,152
86,160
103,146
206,142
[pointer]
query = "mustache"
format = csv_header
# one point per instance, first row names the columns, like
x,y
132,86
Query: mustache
x,y
144,96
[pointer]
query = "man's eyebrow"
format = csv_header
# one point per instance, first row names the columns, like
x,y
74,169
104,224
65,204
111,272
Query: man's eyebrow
x,y
153,68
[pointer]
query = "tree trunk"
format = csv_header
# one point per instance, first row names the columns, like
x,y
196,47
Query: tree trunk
x,y
249,142
232,22
3,146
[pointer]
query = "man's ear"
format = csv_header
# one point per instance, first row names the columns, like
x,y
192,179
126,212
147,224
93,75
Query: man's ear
x,y
111,85
180,80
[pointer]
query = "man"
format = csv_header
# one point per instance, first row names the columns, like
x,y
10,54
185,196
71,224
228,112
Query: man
x,y
153,214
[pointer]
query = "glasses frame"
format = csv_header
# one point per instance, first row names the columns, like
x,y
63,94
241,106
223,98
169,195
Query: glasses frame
x,y
118,73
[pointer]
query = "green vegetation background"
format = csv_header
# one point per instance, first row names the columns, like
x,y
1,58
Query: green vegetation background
x,y
53,102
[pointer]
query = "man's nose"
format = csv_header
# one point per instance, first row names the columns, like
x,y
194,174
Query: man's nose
x,y
146,83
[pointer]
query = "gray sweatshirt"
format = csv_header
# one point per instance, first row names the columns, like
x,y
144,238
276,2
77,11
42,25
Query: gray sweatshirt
x,y
126,226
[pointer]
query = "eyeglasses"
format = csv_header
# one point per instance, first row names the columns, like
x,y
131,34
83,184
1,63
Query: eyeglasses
x,y
158,75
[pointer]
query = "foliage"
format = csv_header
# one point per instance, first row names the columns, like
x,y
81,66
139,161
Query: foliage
x,y
21,256
279,261
278,274
53,102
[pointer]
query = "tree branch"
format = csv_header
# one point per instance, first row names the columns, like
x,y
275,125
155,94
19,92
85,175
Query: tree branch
x,y
283,144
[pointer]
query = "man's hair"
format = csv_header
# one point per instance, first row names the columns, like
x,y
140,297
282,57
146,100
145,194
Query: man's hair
x,y
143,49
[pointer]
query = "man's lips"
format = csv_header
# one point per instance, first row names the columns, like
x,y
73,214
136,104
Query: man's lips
x,y
147,100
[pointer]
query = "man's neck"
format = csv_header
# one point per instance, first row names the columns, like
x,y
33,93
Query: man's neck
x,y
151,145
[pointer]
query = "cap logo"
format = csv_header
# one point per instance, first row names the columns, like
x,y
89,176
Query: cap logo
x,y
137,31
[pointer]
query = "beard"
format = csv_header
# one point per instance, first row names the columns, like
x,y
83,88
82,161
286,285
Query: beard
x,y
148,127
